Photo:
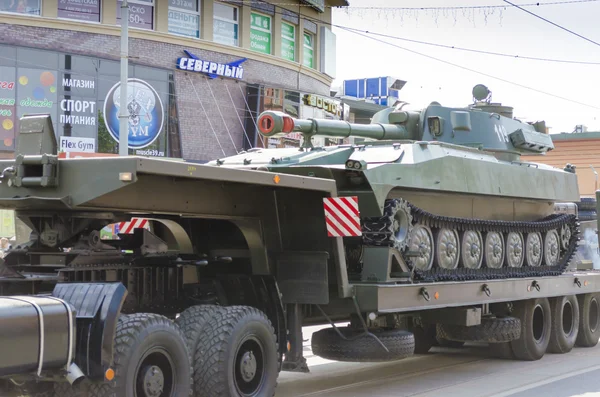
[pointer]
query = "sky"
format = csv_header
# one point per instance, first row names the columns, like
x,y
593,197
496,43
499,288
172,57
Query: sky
x,y
507,30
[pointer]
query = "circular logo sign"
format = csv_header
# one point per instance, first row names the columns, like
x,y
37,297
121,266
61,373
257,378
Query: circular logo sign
x,y
146,113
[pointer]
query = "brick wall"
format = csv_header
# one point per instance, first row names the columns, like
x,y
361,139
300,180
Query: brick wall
x,y
200,119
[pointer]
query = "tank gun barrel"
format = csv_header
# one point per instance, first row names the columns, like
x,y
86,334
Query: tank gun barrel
x,y
273,123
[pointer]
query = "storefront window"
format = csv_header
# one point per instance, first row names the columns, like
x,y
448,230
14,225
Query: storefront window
x,y
309,60
141,14
30,7
225,24
82,95
87,11
260,33
288,41
184,18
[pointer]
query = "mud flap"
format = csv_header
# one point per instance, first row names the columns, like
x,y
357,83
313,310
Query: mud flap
x,y
98,307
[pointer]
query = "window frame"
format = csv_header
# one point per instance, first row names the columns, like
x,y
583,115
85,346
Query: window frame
x,y
24,13
197,13
235,22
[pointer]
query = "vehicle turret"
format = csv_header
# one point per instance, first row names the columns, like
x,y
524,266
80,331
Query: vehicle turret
x,y
483,125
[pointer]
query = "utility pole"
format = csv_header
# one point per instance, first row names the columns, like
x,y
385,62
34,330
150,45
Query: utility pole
x,y
124,113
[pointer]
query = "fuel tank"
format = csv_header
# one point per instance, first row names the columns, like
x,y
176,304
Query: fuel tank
x,y
37,333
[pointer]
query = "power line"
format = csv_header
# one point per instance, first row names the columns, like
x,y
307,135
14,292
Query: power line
x,y
552,23
537,4
478,72
468,49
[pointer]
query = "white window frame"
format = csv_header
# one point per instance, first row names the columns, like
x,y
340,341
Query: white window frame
x,y
294,39
25,14
237,23
186,11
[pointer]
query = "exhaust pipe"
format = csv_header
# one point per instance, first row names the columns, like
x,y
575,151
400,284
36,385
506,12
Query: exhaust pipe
x,y
74,374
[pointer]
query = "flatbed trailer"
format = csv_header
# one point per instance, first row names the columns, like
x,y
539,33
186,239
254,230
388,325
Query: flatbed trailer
x,y
211,298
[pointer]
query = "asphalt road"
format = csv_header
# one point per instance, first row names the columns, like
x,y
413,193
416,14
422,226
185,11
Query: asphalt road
x,y
465,372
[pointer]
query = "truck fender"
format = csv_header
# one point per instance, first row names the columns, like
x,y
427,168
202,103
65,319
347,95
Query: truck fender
x,y
98,306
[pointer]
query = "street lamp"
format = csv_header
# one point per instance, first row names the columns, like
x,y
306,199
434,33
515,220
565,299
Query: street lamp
x,y
124,113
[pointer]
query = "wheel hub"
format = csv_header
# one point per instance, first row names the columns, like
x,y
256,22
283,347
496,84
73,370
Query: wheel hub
x,y
248,366
154,381
474,250
497,250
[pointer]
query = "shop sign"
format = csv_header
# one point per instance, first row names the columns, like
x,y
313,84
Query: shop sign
x,y
260,33
77,144
184,23
146,113
288,42
308,51
82,10
140,15
192,63
328,105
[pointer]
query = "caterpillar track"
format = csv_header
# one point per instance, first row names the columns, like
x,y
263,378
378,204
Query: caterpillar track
x,y
440,248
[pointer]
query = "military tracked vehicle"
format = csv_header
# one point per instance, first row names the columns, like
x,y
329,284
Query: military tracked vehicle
x,y
428,231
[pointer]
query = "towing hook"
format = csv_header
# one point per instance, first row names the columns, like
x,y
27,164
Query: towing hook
x,y
425,294
534,284
486,289
577,282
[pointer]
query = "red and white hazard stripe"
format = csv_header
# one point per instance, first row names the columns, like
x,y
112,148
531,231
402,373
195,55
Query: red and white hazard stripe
x,y
342,216
134,223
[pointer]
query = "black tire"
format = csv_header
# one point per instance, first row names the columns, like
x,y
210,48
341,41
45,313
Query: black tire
x,y
227,339
193,322
326,343
424,336
491,330
565,324
536,322
589,320
143,339
587,204
65,389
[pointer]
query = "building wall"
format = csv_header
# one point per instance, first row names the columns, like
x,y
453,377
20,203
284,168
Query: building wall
x,y
210,112
583,153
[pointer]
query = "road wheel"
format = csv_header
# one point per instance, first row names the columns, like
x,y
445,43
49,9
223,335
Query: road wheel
x,y
589,320
536,323
238,355
151,359
565,324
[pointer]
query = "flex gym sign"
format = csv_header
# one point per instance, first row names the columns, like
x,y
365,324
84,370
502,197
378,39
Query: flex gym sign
x,y
192,63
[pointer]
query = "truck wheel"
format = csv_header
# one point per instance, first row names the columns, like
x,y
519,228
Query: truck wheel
x,y
491,330
565,324
589,320
536,323
238,355
327,344
151,359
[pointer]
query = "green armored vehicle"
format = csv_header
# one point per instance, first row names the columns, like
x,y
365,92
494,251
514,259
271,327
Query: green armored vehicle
x,y
429,231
